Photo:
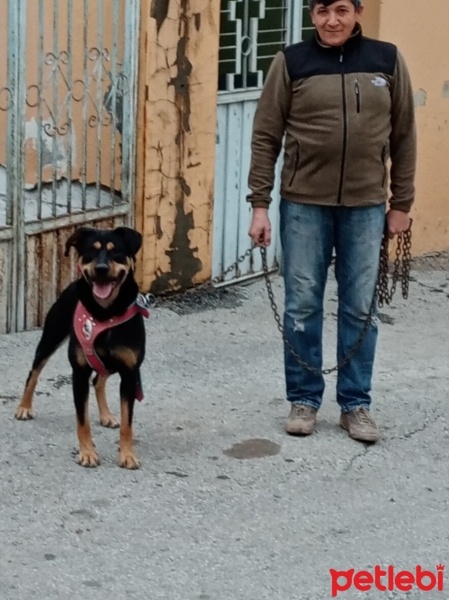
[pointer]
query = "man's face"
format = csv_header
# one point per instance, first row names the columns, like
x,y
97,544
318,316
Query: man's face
x,y
336,22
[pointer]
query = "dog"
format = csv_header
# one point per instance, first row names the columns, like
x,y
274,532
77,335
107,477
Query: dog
x,y
102,313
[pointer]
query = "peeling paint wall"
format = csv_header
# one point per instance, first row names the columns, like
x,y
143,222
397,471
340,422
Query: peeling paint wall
x,y
420,31
177,116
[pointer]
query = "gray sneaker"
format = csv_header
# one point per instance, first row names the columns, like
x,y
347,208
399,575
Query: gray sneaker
x,y
360,425
301,420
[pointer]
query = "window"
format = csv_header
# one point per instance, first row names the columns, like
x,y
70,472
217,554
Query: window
x,y
251,33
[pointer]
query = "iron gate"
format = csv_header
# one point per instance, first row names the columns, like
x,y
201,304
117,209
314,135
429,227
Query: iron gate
x,y
251,32
67,139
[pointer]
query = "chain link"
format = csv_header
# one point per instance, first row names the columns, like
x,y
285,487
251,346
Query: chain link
x,y
383,294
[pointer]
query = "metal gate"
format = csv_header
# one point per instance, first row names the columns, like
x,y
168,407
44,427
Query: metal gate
x,y
67,127
251,32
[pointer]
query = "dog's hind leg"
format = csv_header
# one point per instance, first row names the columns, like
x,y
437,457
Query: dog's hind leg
x,y
56,329
24,410
107,419
127,458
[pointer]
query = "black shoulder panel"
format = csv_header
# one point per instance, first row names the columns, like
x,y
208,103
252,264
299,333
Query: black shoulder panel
x,y
361,55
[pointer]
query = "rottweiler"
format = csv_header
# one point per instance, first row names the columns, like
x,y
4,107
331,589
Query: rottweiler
x,y
102,313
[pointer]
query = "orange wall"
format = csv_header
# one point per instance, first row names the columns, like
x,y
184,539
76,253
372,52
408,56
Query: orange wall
x,y
420,30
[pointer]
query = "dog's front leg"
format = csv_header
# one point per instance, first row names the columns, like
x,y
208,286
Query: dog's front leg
x,y
87,456
127,458
107,419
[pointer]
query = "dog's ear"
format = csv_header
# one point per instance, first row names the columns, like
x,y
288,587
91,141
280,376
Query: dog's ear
x,y
77,238
131,238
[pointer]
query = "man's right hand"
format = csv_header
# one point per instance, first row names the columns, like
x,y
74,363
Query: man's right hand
x,y
260,228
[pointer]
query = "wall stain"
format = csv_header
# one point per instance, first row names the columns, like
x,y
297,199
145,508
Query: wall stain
x,y
159,11
186,190
184,264
420,98
181,81
197,21
158,227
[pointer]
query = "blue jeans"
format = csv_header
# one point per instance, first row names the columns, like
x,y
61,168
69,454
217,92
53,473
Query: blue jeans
x,y
308,235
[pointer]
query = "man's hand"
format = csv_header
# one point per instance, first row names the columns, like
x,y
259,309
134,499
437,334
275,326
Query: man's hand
x,y
397,222
260,228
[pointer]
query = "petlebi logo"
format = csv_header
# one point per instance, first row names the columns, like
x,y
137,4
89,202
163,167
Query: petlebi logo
x,y
387,579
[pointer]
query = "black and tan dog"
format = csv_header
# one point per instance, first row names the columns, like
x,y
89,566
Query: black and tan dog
x,y
102,312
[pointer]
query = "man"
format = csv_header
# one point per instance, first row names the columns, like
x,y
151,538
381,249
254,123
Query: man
x,y
345,105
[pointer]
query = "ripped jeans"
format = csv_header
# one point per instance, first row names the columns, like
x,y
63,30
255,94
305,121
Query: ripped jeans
x,y
308,235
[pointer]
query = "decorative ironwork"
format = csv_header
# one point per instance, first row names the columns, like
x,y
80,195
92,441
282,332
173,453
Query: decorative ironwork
x,y
252,31
6,101
78,90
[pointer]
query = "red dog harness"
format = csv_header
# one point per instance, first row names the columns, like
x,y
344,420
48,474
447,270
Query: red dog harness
x,y
87,329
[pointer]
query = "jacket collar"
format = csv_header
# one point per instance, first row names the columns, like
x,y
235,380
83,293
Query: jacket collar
x,y
351,42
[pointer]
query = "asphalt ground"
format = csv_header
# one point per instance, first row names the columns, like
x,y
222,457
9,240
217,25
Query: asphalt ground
x,y
226,506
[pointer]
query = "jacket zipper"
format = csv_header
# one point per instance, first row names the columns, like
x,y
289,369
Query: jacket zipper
x,y
345,130
384,153
295,167
357,94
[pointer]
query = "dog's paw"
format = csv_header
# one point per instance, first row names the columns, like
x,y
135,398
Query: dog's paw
x,y
128,460
23,414
109,421
88,458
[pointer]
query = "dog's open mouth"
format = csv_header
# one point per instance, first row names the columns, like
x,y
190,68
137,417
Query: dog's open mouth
x,y
103,290
104,286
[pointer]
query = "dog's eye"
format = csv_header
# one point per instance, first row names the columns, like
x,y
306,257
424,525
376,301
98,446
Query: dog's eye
x,y
87,258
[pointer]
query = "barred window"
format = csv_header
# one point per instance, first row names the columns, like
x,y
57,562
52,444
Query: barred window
x,y
251,33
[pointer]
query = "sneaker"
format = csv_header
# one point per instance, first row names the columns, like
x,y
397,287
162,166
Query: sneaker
x,y
301,420
360,425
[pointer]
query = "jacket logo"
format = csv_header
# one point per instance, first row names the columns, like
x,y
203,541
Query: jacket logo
x,y
379,81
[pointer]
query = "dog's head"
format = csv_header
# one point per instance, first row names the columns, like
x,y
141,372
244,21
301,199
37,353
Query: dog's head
x,y
105,258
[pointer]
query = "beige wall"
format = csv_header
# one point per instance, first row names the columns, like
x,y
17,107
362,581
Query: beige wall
x,y
178,89
421,32
371,18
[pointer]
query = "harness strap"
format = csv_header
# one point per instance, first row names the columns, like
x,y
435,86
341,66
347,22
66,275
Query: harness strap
x,y
87,329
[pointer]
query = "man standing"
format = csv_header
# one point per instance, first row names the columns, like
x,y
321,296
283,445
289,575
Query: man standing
x,y
344,103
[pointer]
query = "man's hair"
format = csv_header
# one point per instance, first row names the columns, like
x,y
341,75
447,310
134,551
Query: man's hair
x,y
313,3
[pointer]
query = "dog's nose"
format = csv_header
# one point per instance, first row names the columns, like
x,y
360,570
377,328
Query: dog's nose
x,y
101,269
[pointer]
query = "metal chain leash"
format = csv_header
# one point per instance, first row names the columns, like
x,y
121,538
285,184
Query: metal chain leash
x,y
383,294
401,267
302,362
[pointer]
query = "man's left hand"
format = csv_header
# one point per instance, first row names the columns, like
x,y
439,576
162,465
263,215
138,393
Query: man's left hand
x,y
397,222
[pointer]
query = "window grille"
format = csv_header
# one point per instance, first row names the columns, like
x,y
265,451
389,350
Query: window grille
x,y
251,32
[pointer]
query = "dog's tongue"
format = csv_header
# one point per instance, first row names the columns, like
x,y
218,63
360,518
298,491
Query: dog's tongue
x,y
102,290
